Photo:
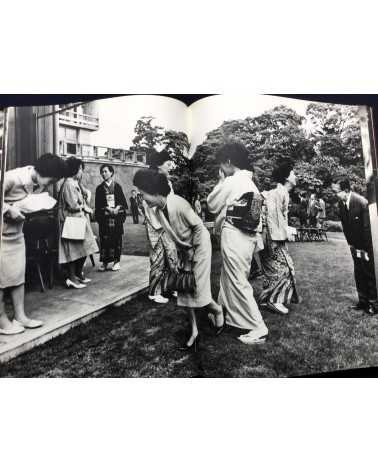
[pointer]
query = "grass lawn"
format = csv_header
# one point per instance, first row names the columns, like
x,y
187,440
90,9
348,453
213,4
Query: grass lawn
x,y
140,338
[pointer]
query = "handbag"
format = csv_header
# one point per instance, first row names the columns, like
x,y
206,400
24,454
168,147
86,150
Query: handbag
x,y
180,278
74,228
181,281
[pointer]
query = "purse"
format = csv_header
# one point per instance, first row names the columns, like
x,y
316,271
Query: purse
x,y
180,278
181,281
74,228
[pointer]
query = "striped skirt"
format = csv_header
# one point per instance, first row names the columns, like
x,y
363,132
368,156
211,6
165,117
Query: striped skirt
x,y
163,258
279,284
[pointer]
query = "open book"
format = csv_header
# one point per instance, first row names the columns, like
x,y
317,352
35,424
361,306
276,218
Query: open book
x,y
324,142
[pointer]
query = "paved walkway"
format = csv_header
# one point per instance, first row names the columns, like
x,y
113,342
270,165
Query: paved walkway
x,y
62,309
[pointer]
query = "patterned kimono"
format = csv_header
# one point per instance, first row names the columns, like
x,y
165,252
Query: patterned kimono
x,y
163,252
110,226
279,284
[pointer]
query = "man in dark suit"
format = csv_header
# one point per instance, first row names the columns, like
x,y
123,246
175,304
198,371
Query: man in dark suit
x,y
354,215
134,206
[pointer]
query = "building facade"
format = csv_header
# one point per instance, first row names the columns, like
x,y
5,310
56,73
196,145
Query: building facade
x,y
66,130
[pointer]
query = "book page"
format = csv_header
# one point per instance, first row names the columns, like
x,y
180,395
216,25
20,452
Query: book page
x,y
294,275
325,256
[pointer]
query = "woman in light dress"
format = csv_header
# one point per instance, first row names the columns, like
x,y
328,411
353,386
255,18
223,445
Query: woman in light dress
x,y
192,246
18,184
279,286
237,247
72,253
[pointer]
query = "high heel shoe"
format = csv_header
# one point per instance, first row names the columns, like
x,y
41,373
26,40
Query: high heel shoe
x,y
70,284
192,347
83,279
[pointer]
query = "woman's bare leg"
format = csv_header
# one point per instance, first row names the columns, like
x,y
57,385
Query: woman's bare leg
x,y
5,322
193,326
18,299
215,309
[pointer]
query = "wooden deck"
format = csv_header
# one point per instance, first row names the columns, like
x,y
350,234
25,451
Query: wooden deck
x,y
62,309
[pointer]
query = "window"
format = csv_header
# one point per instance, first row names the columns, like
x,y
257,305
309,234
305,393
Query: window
x,y
70,134
140,157
128,156
117,154
87,150
102,152
71,148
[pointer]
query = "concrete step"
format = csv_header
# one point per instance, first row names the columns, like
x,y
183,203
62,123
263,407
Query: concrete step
x,y
61,309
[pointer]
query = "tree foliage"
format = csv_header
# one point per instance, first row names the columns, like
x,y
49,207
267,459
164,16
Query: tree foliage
x,y
324,143
147,136
150,137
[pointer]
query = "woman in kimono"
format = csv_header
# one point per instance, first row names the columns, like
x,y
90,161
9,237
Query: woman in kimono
x,y
237,246
192,243
111,206
279,287
161,163
72,253
18,184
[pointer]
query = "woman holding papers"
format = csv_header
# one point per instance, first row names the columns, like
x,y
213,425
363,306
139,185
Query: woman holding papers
x,y
18,185
73,252
111,209
192,251
237,245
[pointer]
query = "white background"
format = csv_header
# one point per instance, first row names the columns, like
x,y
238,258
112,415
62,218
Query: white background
x,y
185,424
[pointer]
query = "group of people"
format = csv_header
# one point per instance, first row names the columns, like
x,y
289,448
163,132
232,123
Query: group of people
x,y
312,210
250,224
179,241
74,204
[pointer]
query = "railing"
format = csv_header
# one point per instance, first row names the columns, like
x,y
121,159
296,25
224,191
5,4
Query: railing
x,y
80,120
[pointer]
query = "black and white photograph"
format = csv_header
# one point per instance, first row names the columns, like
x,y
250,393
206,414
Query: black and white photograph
x,y
141,237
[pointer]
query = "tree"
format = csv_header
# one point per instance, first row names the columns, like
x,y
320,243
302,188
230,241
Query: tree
x,y
335,131
147,136
275,135
324,143
176,143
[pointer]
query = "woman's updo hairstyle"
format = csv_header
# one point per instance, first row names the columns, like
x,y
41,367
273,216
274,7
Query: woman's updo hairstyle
x,y
50,165
158,158
73,164
282,171
152,182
